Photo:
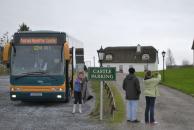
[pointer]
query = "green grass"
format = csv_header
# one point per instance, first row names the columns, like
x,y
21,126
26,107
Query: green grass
x,y
140,74
179,78
95,85
119,114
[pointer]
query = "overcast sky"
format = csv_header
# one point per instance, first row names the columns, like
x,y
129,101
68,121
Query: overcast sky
x,y
159,23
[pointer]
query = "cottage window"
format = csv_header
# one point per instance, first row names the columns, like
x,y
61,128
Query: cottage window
x,y
130,66
109,57
121,68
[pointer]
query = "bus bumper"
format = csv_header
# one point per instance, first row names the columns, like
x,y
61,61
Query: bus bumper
x,y
37,96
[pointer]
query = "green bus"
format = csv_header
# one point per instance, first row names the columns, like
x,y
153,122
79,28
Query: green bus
x,y
40,66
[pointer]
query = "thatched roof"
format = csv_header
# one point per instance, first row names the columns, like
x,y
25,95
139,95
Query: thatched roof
x,y
129,54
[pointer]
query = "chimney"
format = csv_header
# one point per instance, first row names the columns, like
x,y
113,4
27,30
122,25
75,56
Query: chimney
x,y
139,48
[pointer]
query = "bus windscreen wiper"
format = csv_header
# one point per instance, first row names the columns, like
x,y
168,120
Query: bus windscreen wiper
x,y
36,73
62,48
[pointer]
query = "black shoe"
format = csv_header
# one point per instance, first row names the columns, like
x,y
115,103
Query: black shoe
x,y
89,97
135,121
128,120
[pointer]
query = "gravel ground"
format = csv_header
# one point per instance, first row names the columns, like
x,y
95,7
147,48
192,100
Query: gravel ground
x,y
174,110
16,115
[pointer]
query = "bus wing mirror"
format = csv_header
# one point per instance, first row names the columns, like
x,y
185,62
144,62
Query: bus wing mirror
x,y
66,51
6,54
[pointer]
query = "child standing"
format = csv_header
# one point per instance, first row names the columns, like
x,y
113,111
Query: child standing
x,y
77,92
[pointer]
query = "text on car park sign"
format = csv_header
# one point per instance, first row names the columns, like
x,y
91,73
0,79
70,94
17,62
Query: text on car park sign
x,y
102,73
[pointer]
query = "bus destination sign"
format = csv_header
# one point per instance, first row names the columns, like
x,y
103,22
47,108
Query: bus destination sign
x,y
38,40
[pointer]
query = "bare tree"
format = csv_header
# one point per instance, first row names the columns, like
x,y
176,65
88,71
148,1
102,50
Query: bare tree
x,y
185,62
170,61
4,39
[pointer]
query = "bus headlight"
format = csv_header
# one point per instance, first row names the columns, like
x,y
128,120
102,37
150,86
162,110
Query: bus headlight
x,y
13,96
59,96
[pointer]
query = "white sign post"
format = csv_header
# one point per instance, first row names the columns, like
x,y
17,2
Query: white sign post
x,y
102,74
101,100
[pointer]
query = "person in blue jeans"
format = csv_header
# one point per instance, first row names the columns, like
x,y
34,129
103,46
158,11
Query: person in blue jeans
x,y
151,92
132,89
78,92
149,111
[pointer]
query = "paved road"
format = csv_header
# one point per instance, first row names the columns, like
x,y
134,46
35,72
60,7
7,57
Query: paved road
x,y
42,116
174,110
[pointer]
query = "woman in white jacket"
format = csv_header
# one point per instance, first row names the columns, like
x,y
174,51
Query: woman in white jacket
x,y
151,92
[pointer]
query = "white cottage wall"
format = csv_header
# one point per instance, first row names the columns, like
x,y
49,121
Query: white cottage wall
x,y
139,67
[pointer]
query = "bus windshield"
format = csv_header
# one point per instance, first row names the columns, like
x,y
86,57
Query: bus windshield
x,y
40,58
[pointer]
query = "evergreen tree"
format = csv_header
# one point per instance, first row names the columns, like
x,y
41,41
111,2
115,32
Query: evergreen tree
x,y
23,27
